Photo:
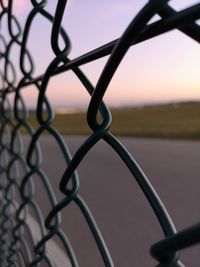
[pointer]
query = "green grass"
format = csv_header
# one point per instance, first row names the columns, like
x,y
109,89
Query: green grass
x,y
180,121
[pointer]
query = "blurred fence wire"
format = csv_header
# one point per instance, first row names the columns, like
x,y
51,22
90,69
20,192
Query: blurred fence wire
x,y
18,244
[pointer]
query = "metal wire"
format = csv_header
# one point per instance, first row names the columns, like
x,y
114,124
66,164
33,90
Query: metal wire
x,y
18,245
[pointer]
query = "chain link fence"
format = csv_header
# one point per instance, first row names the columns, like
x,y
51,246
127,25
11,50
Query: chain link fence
x,y
19,245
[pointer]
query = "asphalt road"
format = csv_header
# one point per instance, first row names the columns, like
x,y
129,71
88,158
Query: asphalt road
x,y
124,216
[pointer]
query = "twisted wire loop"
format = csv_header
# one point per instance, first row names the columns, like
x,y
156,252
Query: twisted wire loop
x,y
18,244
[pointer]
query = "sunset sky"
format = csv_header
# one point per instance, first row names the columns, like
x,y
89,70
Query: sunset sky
x,y
163,69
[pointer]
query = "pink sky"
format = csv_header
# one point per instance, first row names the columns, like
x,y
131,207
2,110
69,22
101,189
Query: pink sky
x,y
19,6
163,69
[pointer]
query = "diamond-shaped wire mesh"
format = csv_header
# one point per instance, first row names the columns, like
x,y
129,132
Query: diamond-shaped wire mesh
x,y
19,245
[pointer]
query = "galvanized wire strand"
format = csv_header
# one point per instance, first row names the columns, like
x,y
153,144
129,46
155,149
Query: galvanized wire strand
x,y
15,248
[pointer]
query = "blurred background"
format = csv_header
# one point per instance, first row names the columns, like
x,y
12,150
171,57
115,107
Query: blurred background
x,y
161,70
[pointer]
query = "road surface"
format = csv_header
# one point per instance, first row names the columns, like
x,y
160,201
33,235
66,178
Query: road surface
x,y
118,205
